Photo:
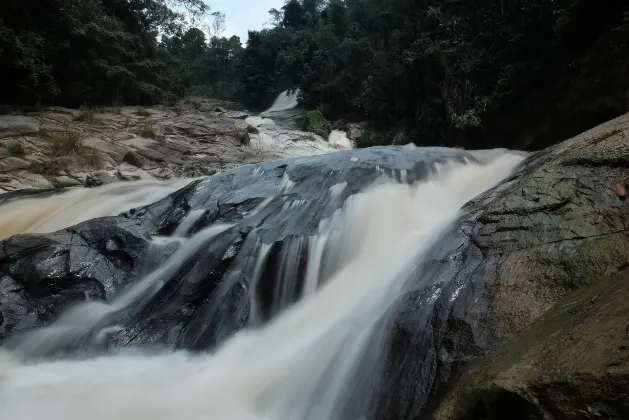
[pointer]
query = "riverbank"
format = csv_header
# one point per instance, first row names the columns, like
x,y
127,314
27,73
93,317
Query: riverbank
x,y
57,147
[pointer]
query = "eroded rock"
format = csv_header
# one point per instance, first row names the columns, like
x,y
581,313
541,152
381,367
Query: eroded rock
x,y
523,247
572,364
17,125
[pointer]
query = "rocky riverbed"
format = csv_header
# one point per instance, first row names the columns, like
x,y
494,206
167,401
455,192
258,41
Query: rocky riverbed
x,y
518,311
61,147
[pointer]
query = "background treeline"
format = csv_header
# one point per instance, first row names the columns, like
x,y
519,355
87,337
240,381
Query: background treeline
x,y
73,52
520,73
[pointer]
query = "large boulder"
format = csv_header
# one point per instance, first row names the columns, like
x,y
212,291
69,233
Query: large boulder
x,y
205,301
572,364
18,125
558,224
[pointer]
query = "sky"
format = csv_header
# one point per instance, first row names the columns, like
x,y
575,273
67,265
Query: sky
x,y
243,15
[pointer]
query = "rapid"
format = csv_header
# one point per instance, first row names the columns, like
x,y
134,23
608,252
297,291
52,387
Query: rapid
x,y
315,359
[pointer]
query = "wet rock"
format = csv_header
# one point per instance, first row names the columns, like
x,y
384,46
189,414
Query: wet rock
x,y
239,115
521,248
574,363
41,276
127,176
99,178
518,250
52,271
135,159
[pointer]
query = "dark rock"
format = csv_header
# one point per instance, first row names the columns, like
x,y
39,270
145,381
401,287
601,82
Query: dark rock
x,y
135,159
205,301
520,248
574,363
42,275
292,119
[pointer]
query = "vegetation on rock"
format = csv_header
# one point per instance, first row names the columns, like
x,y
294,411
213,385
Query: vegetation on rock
x,y
316,123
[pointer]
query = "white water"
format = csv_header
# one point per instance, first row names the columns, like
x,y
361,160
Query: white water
x,y
299,365
339,138
49,214
283,102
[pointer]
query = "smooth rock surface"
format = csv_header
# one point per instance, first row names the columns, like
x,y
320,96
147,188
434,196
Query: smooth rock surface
x,y
557,225
572,364
17,125
109,253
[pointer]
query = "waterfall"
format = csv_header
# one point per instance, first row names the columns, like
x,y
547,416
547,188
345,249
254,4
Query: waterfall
x,y
283,102
305,352
338,137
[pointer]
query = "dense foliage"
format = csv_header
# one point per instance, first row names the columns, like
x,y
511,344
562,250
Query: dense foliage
x,y
520,73
74,52
446,70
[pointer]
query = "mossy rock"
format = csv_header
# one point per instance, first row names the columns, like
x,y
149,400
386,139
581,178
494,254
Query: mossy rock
x,y
316,123
242,135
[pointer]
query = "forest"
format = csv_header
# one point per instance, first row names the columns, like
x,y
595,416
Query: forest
x,y
523,73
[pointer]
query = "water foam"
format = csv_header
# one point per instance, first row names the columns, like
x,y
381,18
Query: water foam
x,y
339,138
49,214
303,363
283,102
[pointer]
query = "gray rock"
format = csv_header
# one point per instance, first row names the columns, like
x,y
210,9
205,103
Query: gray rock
x,y
135,159
65,181
99,178
239,115
127,176
13,164
17,125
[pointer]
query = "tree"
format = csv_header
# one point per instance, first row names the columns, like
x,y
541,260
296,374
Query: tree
x,y
448,72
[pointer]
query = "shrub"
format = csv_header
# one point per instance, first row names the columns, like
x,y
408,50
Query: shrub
x,y
148,130
93,157
88,114
316,123
64,143
46,169
242,135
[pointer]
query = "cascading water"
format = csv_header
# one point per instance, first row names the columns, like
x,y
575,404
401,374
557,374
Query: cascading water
x,y
276,131
51,213
301,356
339,138
283,102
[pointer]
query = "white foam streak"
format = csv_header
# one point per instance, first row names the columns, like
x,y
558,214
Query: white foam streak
x,y
80,320
283,102
49,214
298,366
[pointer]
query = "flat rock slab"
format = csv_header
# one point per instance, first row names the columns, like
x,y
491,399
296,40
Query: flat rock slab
x,y
18,125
